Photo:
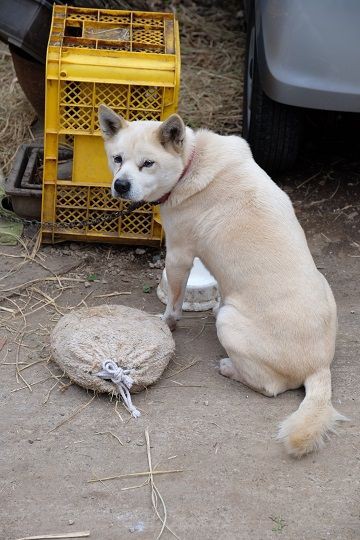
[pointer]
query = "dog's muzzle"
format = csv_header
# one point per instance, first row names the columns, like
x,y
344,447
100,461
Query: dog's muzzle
x,y
122,187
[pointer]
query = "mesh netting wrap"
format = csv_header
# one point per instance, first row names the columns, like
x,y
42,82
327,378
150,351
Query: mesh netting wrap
x,y
85,340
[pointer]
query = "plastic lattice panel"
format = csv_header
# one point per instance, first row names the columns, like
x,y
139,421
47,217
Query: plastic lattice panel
x,y
82,16
138,224
101,198
108,226
145,208
115,47
146,97
123,19
138,19
75,118
71,216
113,95
72,196
144,35
76,93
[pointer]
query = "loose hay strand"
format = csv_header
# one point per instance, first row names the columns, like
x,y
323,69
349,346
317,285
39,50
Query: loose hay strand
x,y
155,493
135,487
112,294
22,286
110,433
130,475
81,534
76,412
15,112
17,369
31,384
49,392
182,369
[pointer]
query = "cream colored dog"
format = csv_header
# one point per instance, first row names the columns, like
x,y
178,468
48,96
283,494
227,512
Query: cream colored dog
x,y
277,320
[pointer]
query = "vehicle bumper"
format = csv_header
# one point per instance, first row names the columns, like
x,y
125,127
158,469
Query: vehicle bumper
x,y
309,52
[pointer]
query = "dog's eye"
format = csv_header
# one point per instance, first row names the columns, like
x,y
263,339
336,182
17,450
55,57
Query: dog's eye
x,y
148,163
118,159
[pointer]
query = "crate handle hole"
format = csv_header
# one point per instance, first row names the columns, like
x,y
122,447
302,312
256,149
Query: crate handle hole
x,y
73,30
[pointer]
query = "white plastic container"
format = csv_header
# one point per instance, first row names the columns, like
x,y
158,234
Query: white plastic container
x,y
201,292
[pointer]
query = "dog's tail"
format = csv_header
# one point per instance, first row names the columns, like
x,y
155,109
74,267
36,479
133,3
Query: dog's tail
x,y
305,430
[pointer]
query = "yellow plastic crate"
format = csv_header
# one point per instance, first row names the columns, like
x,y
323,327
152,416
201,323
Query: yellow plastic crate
x,y
128,60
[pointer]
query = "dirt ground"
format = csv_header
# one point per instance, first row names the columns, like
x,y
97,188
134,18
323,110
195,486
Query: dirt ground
x,y
236,481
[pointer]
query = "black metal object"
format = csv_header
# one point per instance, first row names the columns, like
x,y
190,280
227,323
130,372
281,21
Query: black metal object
x,y
24,184
26,24
24,188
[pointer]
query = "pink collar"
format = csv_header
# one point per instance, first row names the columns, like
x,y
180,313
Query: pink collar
x,y
165,197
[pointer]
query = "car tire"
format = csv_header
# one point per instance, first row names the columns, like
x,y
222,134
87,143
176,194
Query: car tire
x,y
273,130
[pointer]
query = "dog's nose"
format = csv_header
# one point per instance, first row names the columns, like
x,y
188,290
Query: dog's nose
x,y
122,186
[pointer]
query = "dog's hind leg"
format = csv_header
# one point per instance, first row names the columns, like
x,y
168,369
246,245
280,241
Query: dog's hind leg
x,y
178,265
257,379
244,365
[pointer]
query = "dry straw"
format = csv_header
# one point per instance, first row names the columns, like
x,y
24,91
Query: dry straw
x,y
15,112
81,534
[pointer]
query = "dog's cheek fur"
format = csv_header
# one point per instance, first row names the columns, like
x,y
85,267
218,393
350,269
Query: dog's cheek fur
x,y
157,185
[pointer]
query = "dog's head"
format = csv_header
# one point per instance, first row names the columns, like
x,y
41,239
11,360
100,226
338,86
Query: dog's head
x,y
145,157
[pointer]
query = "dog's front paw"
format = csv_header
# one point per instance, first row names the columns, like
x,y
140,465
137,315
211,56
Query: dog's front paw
x,y
170,321
226,368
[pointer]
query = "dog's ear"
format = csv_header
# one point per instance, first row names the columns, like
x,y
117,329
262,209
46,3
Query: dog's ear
x,y
172,131
110,122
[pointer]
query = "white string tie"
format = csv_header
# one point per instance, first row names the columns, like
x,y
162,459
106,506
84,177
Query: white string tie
x,y
123,380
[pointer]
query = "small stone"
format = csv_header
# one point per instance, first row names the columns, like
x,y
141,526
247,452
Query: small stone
x,y
138,527
140,251
206,403
71,522
30,441
159,264
125,279
156,258
87,284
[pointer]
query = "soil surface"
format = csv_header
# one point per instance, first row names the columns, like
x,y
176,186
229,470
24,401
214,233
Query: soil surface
x,y
236,482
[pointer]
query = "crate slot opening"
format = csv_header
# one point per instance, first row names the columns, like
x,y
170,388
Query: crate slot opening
x,y
74,30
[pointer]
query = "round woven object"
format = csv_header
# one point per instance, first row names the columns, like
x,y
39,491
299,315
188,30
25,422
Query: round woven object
x,y
84,339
